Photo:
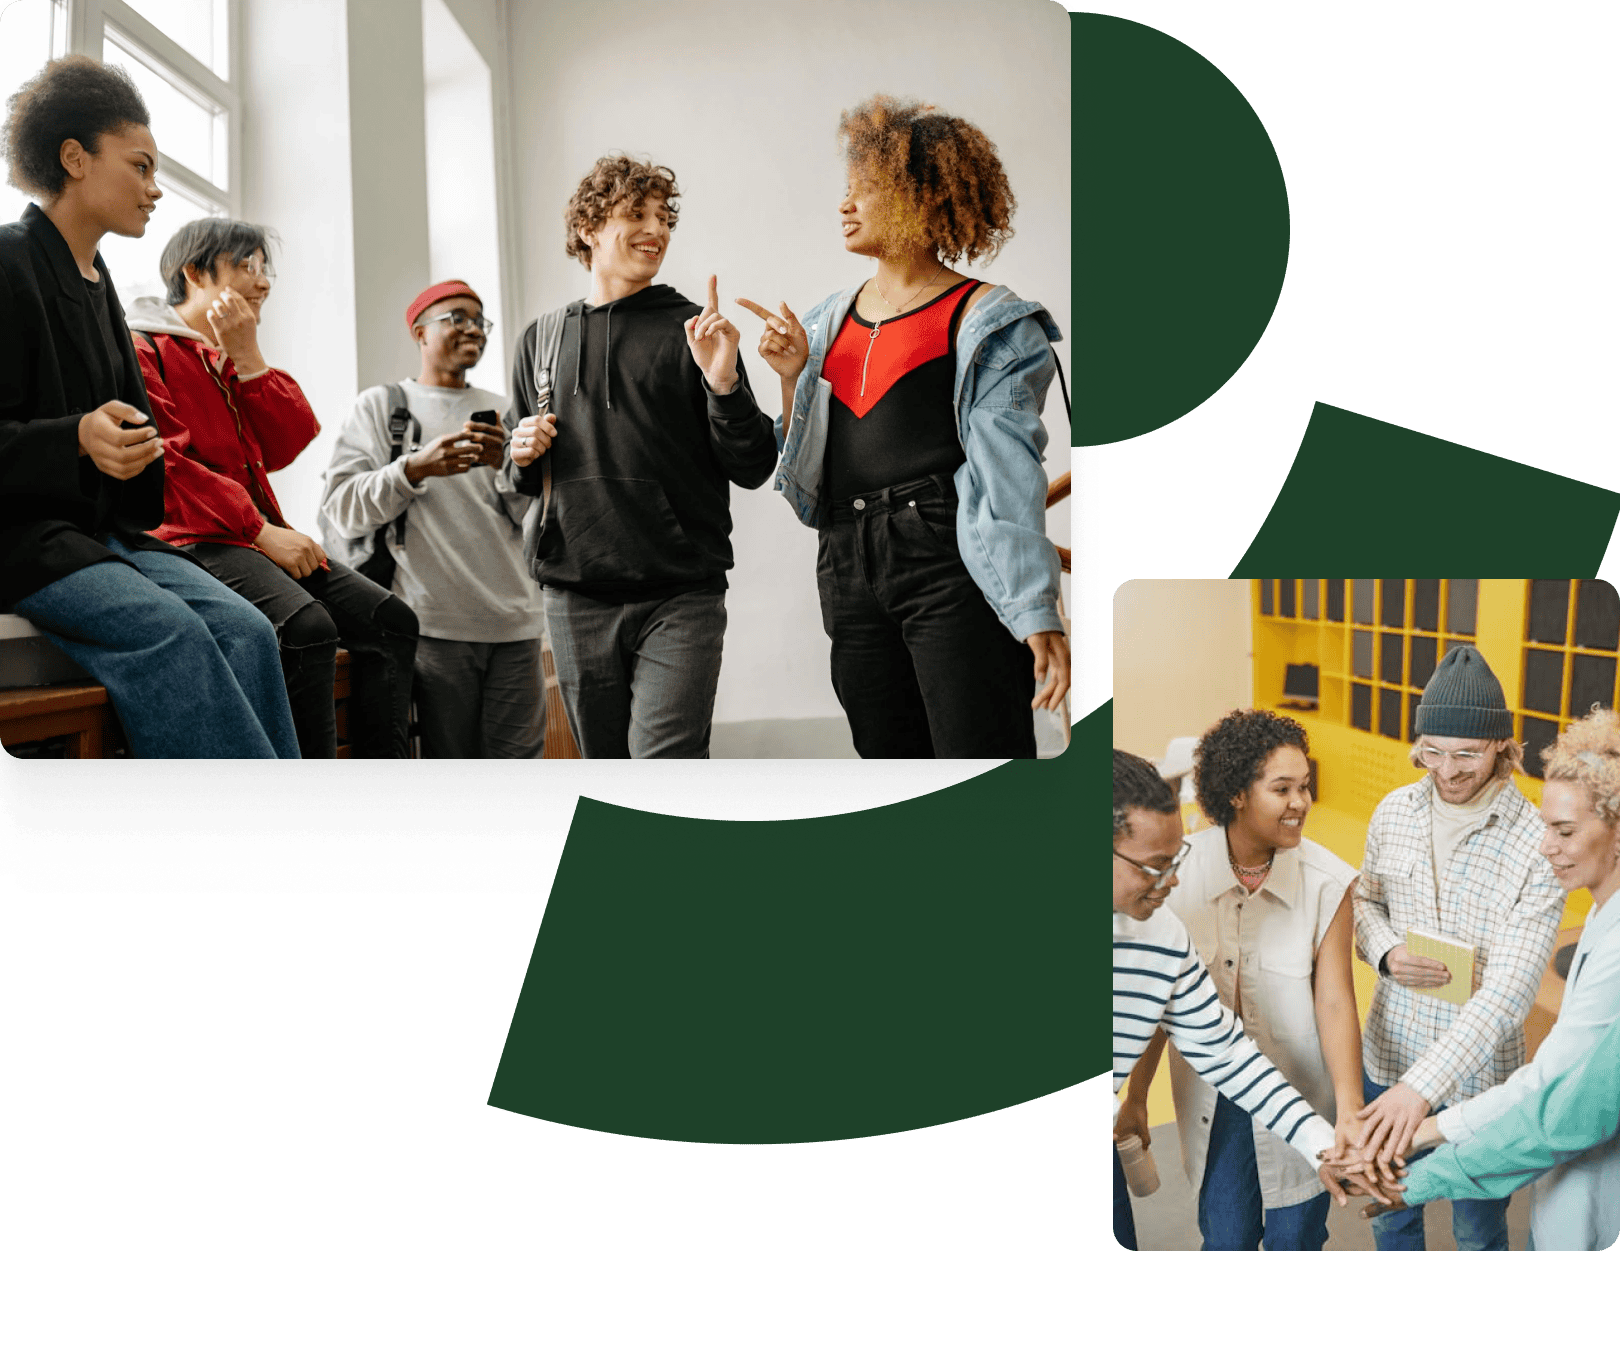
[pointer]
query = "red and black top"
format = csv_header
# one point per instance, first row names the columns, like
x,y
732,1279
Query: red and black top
x,y
891,419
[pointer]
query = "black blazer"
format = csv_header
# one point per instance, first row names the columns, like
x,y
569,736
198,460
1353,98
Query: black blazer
x,y
55,505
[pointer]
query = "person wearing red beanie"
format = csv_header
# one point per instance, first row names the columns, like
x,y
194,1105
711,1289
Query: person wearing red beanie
x,y
450,519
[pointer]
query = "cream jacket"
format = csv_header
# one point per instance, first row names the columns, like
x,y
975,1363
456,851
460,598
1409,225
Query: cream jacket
x,y
1263,944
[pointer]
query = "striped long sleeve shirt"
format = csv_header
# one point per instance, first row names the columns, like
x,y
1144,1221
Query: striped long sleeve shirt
x,y
1159,980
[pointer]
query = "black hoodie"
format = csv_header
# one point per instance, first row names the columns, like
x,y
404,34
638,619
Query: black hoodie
x,y
644,453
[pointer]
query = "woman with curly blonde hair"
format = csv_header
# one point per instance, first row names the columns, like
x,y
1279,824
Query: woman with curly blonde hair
x,y
911,438
1576,1202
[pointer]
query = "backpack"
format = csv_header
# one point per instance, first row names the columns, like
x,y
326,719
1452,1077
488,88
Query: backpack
x,y
369,554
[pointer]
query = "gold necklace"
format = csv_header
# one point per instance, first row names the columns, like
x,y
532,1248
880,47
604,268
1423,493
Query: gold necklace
x,y
873,336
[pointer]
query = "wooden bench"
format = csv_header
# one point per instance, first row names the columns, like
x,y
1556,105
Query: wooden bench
x,y
81,715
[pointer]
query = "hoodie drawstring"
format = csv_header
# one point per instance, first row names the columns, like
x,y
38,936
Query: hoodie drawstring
x,y
579,346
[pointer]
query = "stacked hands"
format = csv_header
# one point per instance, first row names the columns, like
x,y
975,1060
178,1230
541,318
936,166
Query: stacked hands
x,y
1368,1152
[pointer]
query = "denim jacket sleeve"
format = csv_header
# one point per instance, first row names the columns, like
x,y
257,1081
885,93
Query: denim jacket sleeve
x,y
804,444
1001,489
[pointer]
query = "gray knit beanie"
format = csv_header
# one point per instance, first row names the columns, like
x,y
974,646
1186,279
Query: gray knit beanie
x,y
1463,699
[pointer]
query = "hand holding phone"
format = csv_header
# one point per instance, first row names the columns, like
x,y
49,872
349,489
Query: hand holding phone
x,y
485,426
120,439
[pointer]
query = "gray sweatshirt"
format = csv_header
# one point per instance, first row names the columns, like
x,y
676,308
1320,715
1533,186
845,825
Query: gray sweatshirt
x,y
461,566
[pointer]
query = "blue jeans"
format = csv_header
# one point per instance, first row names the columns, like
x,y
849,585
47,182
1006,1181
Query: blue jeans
x,y
192,669
1124,1219
1230,1211
1476,1223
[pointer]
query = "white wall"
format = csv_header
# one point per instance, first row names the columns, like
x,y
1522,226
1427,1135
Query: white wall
x,y
1182,658
463,240
296,155
742,100
336,152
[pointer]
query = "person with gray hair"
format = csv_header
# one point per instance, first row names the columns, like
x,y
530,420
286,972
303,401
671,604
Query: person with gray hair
x,y
228,419
1456,854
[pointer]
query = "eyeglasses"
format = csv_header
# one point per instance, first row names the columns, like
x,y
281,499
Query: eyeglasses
x,y
1160,877
254,267
1434,757
465,322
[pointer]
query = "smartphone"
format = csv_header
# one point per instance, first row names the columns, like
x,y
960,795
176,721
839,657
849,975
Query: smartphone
x,y
487,416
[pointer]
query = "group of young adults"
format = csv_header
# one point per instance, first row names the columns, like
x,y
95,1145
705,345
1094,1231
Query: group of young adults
x,y
1233,946
139,529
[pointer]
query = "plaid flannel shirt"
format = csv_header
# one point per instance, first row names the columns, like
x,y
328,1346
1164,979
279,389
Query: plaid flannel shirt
x,y
1499,895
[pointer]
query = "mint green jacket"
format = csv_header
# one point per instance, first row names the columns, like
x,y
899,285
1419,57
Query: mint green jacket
x,y
1575,1117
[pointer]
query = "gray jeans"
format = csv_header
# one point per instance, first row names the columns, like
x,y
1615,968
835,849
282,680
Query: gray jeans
x,y
480,700
638,679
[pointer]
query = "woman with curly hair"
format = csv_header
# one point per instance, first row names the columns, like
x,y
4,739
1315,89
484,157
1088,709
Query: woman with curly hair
x,y
1269,911
1575,1204
911,438
191,668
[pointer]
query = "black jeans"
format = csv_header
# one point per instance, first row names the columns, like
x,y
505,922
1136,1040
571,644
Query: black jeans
x,y
312,618
920,662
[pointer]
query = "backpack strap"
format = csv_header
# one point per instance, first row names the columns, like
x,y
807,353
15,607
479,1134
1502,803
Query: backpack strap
x,y
1064,383
548,329
152,343
400,418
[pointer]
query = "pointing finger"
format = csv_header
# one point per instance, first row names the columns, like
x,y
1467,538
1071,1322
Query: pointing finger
x,y
714,294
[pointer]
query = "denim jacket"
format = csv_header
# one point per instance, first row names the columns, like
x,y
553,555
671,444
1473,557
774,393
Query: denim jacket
x,y
1003,368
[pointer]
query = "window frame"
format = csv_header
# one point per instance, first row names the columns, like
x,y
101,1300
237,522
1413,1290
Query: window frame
x,y
87,24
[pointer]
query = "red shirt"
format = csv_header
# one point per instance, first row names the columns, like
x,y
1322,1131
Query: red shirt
x,y
222,437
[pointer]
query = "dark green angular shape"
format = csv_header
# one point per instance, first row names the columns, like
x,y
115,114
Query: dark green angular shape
x,y
1181,229
1360,491
821,978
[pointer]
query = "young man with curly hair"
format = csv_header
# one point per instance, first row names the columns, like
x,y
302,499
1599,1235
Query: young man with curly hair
x,y
1269,911
1456,853
631,416
912,441
191,668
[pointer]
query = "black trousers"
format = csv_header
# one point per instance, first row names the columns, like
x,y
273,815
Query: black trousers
x,y
312,618
920,662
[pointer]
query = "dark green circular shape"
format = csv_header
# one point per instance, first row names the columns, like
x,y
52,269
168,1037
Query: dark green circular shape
x,y
1181,229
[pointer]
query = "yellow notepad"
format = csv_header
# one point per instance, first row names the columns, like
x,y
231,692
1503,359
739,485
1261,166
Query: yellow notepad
x,y
1458,957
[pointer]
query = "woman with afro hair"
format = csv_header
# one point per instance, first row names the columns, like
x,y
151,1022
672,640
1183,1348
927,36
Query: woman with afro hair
x,y
1269,911
191,667
911,438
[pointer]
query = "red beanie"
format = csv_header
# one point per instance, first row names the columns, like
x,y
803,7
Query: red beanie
x,y
445,289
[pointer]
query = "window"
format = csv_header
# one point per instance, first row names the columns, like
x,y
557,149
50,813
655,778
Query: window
x,y
177,52
1571,650
31,33
1372,667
